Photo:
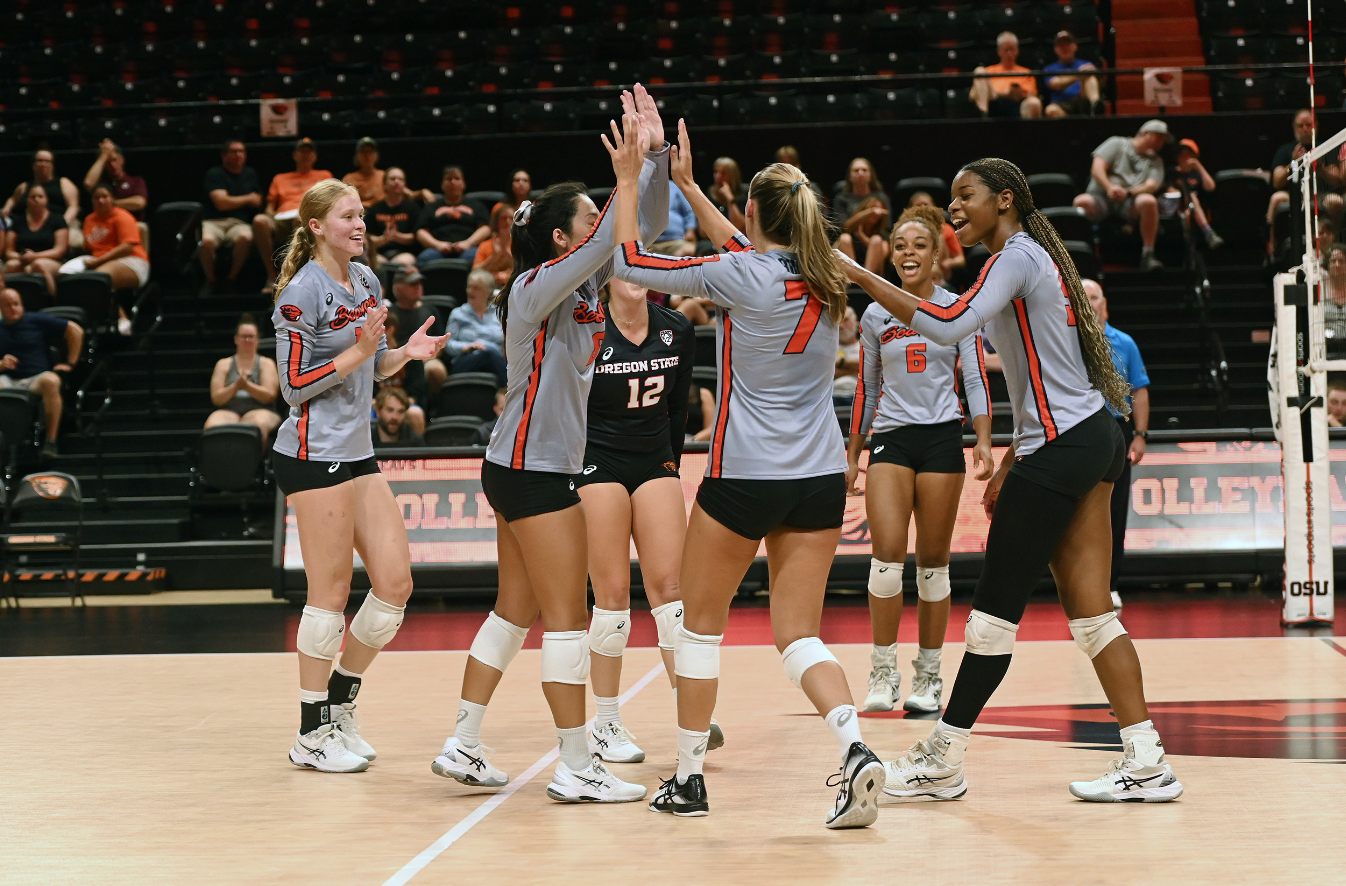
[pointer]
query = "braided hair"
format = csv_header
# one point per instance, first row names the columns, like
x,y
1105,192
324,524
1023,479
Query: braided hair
x,y
1001,175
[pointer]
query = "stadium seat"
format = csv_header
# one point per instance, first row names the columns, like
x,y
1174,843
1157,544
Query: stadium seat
x,y
1237,207
901,193
1237,49
468,393
92,293
705,376
1240,93
21,424
32,289
1070,223
45,498
778,65
600,196
453,430
1086,260
718,69
907,103
1052,189
228,459
705,346
977,255
834,63
721,37
838,107
542,116
446,276
175,234
1225,16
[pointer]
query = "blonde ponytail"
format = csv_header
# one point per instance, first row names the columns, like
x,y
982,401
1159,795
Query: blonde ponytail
x,y
790,214
316,203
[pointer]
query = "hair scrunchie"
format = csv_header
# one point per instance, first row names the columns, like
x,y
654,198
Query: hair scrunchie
x,y
523,213
794,188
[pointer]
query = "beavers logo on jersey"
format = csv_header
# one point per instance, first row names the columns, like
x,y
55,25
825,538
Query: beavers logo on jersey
x,y
895,333
666,336
585,314
345,316
291,312
670,467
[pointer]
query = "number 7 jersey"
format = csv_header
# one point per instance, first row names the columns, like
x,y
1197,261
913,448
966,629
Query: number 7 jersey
x,y
776,350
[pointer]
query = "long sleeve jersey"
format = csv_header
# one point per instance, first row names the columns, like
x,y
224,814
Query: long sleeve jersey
x,y
553,333
316,319
1022,301
776,350
907,379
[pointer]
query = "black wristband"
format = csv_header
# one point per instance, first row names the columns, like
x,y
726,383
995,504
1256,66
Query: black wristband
x,y
1144,435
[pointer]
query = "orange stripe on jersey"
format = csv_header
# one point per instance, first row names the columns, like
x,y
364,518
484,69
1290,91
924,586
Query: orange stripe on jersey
x,y
738,243
858,404
956,310
303,379
1035,371
722,408
636,257
808,320
534,379
303,430
981,367
587,237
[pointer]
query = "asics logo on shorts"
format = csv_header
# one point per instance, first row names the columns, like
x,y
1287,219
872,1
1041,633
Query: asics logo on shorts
x,y
333,468
589,469
572,485
878,448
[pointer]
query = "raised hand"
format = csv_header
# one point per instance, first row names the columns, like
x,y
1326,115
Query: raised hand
x,y
626,149
680,160
648,109
423,346
372,331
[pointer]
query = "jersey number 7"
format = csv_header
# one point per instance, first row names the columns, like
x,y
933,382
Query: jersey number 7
x,y
808,320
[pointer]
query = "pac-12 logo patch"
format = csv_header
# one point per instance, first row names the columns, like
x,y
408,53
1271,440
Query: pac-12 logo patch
x,y
666,336
291,312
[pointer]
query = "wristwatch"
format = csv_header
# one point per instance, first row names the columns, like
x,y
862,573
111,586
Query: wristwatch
x,y
1144,435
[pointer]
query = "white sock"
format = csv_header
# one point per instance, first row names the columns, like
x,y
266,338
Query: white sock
x,y
468,730
608,711
928,660
340,670
1146,250
1130,732
318,697
574,748
845,725
883,652
952,730
691,753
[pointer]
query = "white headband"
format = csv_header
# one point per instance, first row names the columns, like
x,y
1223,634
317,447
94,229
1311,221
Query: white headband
x,y
523,213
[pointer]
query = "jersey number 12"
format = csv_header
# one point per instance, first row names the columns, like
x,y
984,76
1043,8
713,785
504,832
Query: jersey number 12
x,y
654,386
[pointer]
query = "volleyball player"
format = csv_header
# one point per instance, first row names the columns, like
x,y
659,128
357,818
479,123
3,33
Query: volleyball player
x,y
1049,500
777,461
630,488
330,350
906,397
554,328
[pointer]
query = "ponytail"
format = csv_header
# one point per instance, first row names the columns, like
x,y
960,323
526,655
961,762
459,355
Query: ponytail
x,y
1001,175
316,203
790,214
530,239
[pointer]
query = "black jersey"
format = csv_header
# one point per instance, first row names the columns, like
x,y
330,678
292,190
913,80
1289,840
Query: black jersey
x,y
638,401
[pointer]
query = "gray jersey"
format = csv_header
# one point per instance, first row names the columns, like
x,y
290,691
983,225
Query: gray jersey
x,y
907,379
1022,301
776,350
316,319
553,331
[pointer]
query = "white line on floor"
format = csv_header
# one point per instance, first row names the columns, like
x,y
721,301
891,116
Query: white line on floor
x,y
414,866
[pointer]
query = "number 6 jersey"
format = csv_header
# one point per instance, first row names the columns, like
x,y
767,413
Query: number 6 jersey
x,y
776,349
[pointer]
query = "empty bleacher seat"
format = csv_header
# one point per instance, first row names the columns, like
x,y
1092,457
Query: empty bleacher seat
x,y
468,393
453,430
38,501
20,427
446,276
32,289
705,346
1052,189
1070,223
1238,205
901,193
1086,260
175,234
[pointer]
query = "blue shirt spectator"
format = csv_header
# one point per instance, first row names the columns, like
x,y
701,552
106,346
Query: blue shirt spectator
x,y
1063,96
1127,357
27,340
681,219
467,327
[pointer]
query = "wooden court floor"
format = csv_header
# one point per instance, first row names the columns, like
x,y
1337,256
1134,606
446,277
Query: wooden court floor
x,y
171,769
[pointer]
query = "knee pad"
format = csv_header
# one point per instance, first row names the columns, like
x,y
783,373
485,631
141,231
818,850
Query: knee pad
x,y
377,622
932,583
988,635
696,656
497,642
803,654
885,579
320,633
667,618
565,657
1094,634
609,630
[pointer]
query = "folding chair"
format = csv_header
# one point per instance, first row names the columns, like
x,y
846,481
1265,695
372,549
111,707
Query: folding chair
x,y
43,498
453,430
468,393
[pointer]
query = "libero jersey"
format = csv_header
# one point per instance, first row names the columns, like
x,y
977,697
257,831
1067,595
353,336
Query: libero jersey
x,y
907,379
554,327
1022,301
316,319
638,402
776,349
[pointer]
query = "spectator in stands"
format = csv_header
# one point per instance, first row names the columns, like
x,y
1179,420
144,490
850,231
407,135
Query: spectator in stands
x,y
1336,404
62,195
368,178
411,312
410,379
244,387
1328,176
37,242
1135,429
950,255
391,427
1015,94
1069,93
25,361
862,211
452,226
680,237
520,186
1124,177
845,376
113,240
1334,301
728,192
128,191
790,154
1193,180
233,193
482,435
390,224
476,339
1327,235
494,255
276,225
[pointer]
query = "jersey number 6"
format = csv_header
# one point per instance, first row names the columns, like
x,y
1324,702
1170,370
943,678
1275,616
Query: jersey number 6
x,y
654,386
916,358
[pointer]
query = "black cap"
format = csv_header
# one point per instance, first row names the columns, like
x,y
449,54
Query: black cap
x,y
366,142
410,275
304,142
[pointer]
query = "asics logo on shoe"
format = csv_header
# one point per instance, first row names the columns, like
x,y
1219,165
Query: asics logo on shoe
x,y
926,779
596,783
601,742
479,762
333,468
1127,783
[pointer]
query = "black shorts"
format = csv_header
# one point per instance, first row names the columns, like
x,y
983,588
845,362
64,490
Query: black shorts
x,y
926,449
299,475
603,464
753,508
1074,463
517,494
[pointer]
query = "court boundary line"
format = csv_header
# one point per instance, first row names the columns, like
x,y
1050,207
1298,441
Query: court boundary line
x,y
437,848
1334,644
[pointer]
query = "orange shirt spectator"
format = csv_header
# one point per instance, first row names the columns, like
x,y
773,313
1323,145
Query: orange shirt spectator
x,y
288,188
1002,86
102,235
1013,92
